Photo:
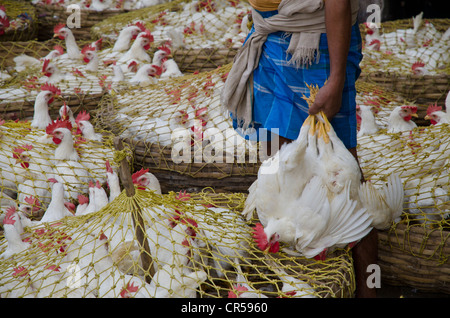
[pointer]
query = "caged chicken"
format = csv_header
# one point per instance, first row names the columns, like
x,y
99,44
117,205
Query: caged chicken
x,y
308,195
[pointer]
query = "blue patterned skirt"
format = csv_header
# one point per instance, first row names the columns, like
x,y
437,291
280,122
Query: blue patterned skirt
x,y
278,88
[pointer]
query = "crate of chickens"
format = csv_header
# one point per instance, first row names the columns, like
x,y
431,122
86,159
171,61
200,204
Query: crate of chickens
x,y
69,66
381,102
418,241
152,245
177,128
34,159
409,56
83,15
18,21
203,34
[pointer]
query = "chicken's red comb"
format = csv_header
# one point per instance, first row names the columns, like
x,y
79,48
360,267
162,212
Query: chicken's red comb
x,y
23,148
82,199
45,65
20,271
32,201
260,236
135,176
98,44
52,88
87,48
165,49
11,210
9,216
147,34
82,116
411,107
56,124
58,27
108,167
433,108
417,64
59,48
4,21
141,26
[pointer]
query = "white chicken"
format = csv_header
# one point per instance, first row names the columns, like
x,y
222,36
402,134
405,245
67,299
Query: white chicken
x,y
146,75
41,118
125,36
25,62
313,184
400,119
15,244
368,125
64,33
437,116
56,210
138,49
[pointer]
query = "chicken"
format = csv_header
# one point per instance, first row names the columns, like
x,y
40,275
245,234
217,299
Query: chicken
x,y
170,69
146,75
83,203
15,283
85,128
428,204
437,116
64,33
385,205
12,235
241,287
101,5
101,198
368,125
25,62
138,49
41,118
66,113
126,35
307,194
163,52
113,182
56,209
68,170
400,119
145,180
90,57
172,281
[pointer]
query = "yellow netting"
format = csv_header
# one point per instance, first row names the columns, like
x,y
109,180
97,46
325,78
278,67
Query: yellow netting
x,y
196,251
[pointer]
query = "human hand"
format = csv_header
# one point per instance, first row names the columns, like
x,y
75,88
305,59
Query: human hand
x,y
328,99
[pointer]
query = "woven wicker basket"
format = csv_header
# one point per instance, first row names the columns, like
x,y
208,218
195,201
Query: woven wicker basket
x,y
424,89
415,256
24,31
25,109
222,177
50,15
208,59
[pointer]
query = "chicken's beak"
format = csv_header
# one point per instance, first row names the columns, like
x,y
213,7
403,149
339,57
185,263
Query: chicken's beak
x,y
55,35
427,117
414,115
